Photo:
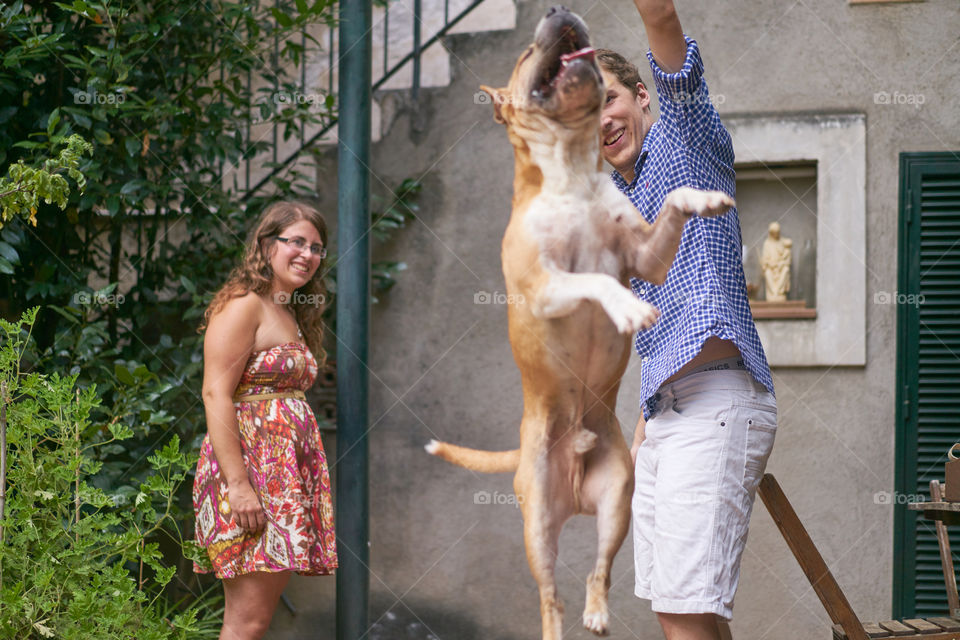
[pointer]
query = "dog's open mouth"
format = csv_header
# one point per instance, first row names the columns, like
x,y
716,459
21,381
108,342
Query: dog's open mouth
x,y
553,73
563,47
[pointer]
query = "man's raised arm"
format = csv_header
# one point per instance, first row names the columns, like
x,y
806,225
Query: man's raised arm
x,y
664,33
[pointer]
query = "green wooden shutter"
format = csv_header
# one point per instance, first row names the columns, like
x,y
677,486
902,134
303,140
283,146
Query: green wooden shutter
x,y
928,368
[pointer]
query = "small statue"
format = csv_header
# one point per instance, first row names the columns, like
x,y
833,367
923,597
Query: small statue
x,y
775,264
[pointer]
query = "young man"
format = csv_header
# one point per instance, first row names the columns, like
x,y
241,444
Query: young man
x,y
709,415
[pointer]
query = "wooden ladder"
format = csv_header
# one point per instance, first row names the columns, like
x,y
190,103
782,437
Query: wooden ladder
x,y
846,625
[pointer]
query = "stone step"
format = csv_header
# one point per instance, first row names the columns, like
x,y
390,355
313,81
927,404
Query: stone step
x,y
397,23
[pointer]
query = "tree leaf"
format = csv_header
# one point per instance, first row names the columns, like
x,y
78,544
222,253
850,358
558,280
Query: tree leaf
x,y
187,284
132,186
52,121
123,374
281,17
132,144
9,253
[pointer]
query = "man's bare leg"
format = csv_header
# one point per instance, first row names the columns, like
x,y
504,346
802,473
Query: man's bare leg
x,y
724,630
691,626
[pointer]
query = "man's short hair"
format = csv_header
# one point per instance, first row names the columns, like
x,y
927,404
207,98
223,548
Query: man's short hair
x,y
624,70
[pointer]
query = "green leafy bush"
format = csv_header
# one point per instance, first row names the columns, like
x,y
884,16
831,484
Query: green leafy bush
x,y
75,561
25,186
170,95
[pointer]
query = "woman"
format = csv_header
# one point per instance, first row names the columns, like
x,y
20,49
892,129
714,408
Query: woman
x,y
262,490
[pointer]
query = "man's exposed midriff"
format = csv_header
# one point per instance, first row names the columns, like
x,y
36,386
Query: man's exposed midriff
x,y
713,349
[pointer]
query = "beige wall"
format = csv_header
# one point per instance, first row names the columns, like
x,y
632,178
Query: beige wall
x,y
441,364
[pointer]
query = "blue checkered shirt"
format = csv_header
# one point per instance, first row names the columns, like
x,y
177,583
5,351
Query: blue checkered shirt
x,y
705,293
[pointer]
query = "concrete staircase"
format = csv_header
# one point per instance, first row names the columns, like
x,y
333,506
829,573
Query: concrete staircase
x,y
392,40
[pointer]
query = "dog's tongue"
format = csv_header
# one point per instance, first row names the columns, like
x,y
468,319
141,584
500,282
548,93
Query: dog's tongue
x,y
586,52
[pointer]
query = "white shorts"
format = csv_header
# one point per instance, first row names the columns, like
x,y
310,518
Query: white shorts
x,y
706,447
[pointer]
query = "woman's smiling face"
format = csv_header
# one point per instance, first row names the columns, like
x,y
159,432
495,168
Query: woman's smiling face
x,y
293,267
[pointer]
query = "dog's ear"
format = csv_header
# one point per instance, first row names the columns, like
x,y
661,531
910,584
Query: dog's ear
x,y
496,96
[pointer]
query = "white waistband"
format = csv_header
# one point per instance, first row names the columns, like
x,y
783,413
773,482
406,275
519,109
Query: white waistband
x,y
713,380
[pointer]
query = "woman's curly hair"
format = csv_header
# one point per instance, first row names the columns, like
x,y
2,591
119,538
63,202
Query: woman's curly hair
x,y
255,274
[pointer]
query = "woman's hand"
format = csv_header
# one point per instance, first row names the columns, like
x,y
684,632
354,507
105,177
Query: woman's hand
x,y
245,506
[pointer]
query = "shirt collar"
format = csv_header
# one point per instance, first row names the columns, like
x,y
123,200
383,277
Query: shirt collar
x,y
637,168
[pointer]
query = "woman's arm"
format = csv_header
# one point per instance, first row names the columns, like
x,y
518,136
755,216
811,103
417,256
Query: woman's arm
x,y
664,33
227,345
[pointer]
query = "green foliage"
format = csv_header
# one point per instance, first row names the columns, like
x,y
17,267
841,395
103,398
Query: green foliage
x,y
77,561
172,97
401,208
21,192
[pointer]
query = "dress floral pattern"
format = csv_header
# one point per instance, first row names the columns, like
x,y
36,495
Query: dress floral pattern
x,y
281,447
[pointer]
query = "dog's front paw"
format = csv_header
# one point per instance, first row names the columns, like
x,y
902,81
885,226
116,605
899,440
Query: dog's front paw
x,y
630,314
693,202
596,622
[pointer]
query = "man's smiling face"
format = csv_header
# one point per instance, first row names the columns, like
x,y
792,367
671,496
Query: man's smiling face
x,y
625,122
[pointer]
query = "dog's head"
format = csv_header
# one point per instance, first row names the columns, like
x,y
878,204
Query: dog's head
x,y
556,77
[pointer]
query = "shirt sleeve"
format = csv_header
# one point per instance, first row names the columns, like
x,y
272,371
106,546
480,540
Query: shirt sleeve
x,y
687,113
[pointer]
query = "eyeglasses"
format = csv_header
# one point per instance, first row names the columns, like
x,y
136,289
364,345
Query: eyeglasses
x,y
299,244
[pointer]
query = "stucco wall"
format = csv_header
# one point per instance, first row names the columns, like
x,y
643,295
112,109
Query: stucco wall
x,y
441,365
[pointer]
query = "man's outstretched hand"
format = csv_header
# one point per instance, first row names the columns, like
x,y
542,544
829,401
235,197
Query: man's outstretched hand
x,y
664,33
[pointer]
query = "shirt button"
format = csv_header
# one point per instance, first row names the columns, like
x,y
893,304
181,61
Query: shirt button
x,y
642,291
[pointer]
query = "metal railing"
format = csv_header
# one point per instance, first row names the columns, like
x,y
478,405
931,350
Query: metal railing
x,y
414,56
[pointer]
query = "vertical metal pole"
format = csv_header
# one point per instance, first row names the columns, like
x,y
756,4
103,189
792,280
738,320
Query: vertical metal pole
x,y
416,48
353,306
276,85
303,77
247,144
386,34
330,47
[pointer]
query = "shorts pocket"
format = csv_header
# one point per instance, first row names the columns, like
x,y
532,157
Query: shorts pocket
x,y
702,412
759,444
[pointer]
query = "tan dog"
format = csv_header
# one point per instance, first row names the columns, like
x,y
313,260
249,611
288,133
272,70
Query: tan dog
x,y
569,250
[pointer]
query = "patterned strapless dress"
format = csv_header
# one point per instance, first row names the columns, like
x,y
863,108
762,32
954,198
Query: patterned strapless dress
x,y
281,447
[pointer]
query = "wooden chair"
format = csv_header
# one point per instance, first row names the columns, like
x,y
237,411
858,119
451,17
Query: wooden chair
x,y
846,624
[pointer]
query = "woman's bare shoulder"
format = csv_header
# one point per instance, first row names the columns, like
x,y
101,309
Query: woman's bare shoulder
x,y
241,313
247,303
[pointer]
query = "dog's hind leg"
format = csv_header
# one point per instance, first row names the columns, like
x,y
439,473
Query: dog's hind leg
x,y
544,513
542,544
608,485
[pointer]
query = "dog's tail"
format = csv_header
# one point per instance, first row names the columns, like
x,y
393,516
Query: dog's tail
x,y
475,459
